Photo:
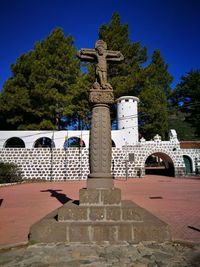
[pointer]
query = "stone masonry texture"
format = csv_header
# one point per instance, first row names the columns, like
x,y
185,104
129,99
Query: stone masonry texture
x,y
73,163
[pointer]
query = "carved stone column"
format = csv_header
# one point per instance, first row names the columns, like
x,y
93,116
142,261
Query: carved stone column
x,y
100,151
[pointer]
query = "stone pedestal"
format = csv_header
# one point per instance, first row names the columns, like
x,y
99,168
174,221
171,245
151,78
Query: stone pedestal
x,y
101,216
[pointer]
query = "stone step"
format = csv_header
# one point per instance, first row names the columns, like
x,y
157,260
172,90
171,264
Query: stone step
x,y
127,211
100,216
50,230
97,197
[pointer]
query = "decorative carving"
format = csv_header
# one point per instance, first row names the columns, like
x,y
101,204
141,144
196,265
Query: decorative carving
x,y
101,96
100,141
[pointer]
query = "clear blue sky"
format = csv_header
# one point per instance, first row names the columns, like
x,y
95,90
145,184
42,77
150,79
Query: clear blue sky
x,y
172,26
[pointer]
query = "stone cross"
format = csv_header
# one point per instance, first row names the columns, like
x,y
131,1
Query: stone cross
x,y
101,96
100,55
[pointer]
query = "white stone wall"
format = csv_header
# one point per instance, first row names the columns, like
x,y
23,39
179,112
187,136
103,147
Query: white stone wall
x,y
165,149
44,163
58,164
73,163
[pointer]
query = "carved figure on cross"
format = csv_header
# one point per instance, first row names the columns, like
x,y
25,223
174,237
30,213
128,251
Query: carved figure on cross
x,y
100,55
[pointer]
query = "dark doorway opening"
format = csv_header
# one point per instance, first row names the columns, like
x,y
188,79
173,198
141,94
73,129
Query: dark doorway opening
x,y
159,163
188,164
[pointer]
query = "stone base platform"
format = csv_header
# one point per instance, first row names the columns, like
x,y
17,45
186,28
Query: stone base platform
x,y
100,216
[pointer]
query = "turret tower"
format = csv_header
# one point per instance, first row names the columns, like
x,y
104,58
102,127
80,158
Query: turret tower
x,y
127,118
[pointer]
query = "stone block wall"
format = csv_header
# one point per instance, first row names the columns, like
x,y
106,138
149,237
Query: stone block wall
x,y
166,149
44,163
73,163
58,164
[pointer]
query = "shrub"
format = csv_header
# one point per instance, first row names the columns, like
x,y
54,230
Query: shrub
x,y
9,173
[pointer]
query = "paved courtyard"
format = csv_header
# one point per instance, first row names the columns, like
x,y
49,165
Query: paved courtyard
x,y
175,201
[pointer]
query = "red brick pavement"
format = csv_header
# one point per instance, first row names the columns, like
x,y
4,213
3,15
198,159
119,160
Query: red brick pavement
x,y
175,201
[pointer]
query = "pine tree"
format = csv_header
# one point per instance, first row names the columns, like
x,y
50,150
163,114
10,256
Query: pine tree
x,y
153,112
178,121
40,82
151,83
123,76
78,107
157,73
186,98
155,91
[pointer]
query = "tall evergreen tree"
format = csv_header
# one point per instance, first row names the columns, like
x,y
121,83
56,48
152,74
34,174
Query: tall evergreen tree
x,y
40,82
150,83
78,107
156,73
155,83
153,112
123,76
186,98
178,121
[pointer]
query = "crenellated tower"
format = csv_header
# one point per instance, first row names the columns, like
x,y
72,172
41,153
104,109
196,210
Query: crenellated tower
x,y
127,118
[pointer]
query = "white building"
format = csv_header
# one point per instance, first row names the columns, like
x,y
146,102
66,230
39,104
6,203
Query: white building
x,y
48,155
127,133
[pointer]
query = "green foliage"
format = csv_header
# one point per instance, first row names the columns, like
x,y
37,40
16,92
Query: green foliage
x,y
156,73
77,107
123,76
155,83
186,97
151,83
40,82
9,173
178,121
153,112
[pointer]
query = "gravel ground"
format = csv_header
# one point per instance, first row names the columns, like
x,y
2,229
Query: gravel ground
x,y
145,254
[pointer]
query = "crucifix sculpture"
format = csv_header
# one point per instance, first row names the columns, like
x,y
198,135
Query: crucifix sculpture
x,y
101,96
100,55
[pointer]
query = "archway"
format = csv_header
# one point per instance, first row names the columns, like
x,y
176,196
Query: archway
x,y
113,144
74,142
44,142
188,164
159,163
14,142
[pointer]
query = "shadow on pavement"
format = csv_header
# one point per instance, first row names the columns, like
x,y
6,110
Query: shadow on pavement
x,y
62,198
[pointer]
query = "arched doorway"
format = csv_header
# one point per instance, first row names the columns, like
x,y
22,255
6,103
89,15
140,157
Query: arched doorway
x,y
188,164
44,142
74,142
14,142
159,163
113,144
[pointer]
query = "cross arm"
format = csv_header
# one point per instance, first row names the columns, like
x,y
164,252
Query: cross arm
x,y
114,56
86,54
